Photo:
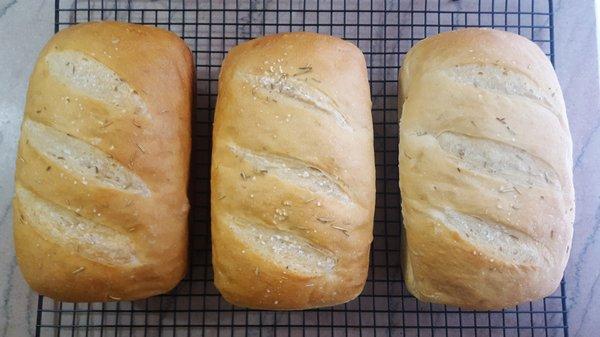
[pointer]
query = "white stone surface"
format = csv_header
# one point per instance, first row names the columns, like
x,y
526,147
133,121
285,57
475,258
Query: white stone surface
x,y
24,28
25,25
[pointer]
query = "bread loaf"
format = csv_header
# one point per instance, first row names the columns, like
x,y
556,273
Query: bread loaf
x,y
485,170
293,179
100,207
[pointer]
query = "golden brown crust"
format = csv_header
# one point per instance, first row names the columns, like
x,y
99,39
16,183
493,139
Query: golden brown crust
x,y
300,100
153,145
484,148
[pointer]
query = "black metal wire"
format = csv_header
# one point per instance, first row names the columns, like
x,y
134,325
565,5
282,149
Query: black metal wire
x,y
384,30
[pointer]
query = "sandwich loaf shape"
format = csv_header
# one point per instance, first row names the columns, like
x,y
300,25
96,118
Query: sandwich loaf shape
x,y
293,179
485,170
100,207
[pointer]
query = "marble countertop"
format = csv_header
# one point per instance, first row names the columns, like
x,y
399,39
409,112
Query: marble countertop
x,y
25,25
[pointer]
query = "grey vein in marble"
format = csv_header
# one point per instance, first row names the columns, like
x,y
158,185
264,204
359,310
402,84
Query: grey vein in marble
x,y
579,259
5,297
587,142
5,8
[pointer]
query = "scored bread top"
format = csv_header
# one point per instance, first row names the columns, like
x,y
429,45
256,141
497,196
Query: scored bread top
x,y
293,179
102,168
485,170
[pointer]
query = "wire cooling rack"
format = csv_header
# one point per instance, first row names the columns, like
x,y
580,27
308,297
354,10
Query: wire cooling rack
x,y
384,30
